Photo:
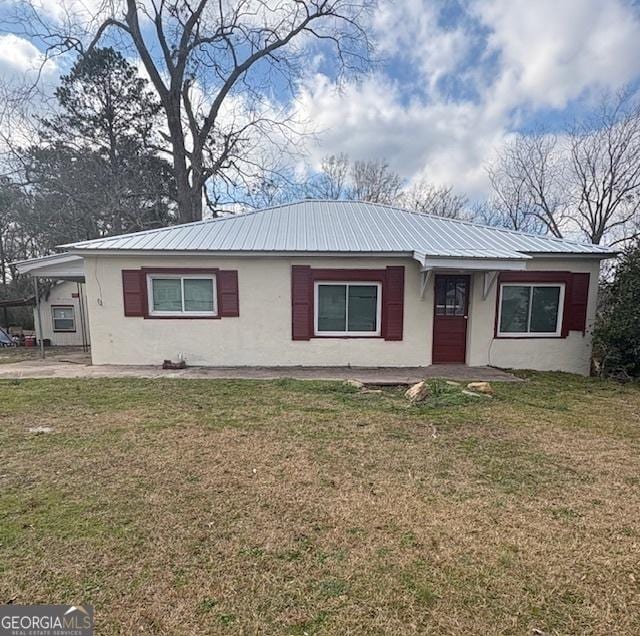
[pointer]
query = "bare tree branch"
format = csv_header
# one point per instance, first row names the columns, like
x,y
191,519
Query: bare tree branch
x,y
207,58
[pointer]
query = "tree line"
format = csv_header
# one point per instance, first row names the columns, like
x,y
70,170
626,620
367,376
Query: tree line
x,y
93,168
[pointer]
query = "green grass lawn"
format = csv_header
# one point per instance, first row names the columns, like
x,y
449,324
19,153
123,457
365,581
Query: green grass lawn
x,y
244,507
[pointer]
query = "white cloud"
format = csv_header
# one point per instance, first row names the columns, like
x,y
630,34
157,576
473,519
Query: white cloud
x,y
410,29
515,56
447,143
21,66
551,52
18,57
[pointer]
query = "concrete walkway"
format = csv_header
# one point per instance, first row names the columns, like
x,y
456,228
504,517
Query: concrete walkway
x,y
78,367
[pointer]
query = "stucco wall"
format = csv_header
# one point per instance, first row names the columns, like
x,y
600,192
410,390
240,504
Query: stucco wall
x,y
262,333
572,354
61,294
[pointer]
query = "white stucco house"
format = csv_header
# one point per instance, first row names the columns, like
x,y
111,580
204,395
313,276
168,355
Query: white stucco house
x,y
335,283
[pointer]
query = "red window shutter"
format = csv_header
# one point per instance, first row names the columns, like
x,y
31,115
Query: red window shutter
x,y
579,296
134,292
228,300
393,303
301,302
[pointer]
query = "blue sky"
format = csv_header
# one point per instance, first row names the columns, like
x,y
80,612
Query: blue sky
x,y
453,81
459,78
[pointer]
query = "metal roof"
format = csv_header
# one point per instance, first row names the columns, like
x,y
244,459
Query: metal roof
x,y
60,266
341,226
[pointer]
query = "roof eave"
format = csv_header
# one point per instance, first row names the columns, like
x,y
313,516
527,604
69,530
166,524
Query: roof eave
x,y
65,266
417,255
602,255
240,253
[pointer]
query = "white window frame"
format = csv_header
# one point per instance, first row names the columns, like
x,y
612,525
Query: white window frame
x,y
53,318
351,334
182,278
532,334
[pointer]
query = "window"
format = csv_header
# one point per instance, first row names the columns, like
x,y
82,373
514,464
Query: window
x,y
175,295
64,318
347,309
530,310
451,295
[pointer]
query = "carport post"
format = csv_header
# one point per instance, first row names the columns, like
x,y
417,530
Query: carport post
x,y
39,320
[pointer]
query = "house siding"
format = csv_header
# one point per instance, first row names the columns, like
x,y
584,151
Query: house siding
x,y
60,295
262,333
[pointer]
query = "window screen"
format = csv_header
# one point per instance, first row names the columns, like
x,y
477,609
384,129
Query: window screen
x,y
347,308
182,295
63,318
530,309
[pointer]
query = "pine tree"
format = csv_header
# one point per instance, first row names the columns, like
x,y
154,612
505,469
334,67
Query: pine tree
x,y
97,168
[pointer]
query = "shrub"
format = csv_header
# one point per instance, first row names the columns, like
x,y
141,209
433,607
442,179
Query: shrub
x,y
617,332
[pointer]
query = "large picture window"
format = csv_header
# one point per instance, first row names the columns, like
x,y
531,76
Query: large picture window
x,y
176,295
530,309
347,309
64,318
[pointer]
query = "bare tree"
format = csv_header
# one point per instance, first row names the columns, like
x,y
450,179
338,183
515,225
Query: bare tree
x,y
331,182
605,170
273,188
371,180
431,199
374,181
214,65
511,205
529,183
493,212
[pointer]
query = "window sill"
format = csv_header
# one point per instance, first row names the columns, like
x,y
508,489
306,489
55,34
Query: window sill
x,y
347,337
528,336
182,317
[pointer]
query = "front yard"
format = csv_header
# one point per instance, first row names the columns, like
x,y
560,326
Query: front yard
x,y
240,507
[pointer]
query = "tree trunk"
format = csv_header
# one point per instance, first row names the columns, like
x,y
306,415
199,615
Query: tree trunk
x,y
197,182
184,193
187,189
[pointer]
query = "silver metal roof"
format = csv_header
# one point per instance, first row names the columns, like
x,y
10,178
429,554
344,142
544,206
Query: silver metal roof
x,y
341,226
58,266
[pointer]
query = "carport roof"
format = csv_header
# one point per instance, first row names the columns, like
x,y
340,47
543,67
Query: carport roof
x,y
57,266
313,226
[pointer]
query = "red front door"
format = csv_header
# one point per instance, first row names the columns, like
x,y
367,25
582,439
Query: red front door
x,y
450,319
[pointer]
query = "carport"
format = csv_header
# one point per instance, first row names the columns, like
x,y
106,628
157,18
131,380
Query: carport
x,y
61,267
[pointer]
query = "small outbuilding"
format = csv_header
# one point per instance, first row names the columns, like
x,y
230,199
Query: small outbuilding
x,y
336,283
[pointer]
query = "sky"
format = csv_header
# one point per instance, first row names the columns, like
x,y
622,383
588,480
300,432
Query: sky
x,y
452,80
